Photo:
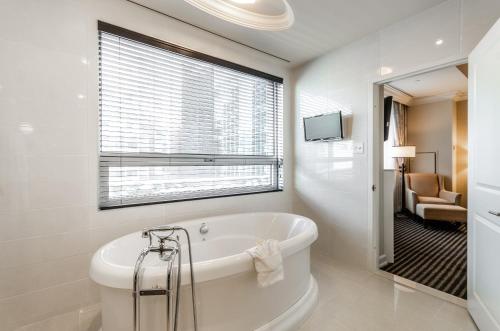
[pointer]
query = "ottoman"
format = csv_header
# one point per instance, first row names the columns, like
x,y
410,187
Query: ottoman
x,y
447,213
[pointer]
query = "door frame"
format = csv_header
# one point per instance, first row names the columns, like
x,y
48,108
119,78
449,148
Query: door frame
x,y
375,165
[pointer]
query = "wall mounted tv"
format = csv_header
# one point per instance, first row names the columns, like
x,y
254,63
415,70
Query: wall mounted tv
x,y
323,127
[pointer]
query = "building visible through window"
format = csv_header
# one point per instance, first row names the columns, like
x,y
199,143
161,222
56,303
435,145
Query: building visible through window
x,y
176,126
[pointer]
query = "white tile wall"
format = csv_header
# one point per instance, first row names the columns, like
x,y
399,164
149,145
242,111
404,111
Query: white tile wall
x,y
49,222
331,182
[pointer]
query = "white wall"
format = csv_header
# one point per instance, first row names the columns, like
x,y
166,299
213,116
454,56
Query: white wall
x,y
332,183
430,128
49,222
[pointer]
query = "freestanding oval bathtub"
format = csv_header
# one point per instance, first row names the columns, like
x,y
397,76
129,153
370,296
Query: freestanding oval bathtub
x,y
228,297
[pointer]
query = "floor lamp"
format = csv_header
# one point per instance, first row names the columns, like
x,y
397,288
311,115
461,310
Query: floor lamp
x,y
403,152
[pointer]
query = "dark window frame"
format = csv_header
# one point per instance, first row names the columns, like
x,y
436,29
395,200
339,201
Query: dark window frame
x,y
132,35
138,37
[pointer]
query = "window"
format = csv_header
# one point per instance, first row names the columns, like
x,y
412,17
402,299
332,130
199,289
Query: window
x,y
178,125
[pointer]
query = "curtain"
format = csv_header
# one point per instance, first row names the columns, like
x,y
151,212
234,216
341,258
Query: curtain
x,y
400,121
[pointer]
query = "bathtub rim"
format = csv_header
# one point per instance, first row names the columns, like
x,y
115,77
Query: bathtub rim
x,y
119,276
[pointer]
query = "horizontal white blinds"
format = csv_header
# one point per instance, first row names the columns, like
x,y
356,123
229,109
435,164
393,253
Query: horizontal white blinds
x,y
174,127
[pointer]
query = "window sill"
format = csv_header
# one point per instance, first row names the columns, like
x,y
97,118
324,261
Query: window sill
x,y
184,200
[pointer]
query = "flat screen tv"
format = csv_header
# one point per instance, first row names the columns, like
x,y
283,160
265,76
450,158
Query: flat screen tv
x,y
323,127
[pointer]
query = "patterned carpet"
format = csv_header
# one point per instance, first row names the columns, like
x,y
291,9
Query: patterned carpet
x,y
435,257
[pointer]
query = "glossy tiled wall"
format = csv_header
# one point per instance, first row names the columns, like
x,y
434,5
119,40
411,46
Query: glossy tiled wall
x,y
49,222
332,182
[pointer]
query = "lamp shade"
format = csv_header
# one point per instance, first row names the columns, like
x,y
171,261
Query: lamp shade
x,y
403,151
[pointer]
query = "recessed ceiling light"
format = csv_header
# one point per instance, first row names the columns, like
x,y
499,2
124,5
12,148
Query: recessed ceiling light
x,y
270,15
439,42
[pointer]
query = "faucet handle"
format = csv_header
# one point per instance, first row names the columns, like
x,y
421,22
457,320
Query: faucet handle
x,y
204,228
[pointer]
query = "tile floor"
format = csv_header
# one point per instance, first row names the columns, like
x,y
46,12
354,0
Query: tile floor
x,y
351,299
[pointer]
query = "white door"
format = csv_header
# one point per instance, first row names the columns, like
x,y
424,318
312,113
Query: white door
x,y
484,182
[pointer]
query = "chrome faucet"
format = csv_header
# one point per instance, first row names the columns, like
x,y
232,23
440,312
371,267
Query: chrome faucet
x,y
169,249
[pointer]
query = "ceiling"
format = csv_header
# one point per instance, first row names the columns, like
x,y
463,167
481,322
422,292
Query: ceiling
x,y
448,81
320,25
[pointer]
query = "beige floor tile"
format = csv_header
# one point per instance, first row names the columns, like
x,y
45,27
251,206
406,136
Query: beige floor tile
x,y
353,299
66,322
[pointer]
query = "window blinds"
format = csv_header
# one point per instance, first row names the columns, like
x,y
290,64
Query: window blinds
x,y
176,127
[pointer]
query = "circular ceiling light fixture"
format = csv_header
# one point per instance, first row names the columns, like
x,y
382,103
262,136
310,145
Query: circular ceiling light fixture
x,y
270,15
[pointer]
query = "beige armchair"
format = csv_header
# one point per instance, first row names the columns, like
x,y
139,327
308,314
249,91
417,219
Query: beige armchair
x,y
427,189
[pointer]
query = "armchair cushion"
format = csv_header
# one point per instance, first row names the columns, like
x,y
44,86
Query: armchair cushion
x,y
452,197
423,184
434,201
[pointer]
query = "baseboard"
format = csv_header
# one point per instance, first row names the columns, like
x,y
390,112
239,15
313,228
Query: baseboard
x,y
382,261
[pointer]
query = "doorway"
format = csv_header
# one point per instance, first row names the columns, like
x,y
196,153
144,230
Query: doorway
x,y
423,200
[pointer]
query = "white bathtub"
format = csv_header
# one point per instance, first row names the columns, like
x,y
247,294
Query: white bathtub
x,y
228,297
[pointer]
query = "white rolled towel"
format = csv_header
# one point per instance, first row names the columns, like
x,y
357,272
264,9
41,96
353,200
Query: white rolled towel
x,y
268,262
